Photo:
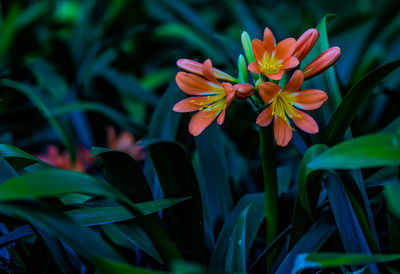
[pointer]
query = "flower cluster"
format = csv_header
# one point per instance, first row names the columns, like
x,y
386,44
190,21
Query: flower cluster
x,y
214,90
124,142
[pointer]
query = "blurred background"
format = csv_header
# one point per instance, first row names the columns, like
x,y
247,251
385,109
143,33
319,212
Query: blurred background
x,y
101,57
71,69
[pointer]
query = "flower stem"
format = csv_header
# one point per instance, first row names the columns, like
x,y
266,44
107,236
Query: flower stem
x,y
270,188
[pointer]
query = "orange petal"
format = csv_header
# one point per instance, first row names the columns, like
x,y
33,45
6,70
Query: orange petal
x,y
268,91
197,68
309,99
305,122
284,49
282,131
190,66
295,82
322,62
200,121
258,48
305,43
111,137
196,85
265,117
276,76
254,67
208,71
269,40
190,104
291,62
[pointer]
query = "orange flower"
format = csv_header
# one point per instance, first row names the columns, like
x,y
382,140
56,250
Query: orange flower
x,y
125,142
322,62
284,104
271,60
63,160
197,68
213,97
305,43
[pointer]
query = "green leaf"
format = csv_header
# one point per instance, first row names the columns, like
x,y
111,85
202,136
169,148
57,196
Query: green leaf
x,y
113,115
128,86
350,230
89,216
256,205
20,159
311,241
177,179
57,182
6,171
130,235
353,101
189,36
51,183
85,241
56,250
392,194
331,259
124,173
367,151
39,101
164,122
308,188
110,266
236,252
214,175
362,152
15,235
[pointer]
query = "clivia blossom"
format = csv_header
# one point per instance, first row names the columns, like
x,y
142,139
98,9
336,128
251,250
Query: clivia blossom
x,y
272,61
125,142
285,103
62,160
212,97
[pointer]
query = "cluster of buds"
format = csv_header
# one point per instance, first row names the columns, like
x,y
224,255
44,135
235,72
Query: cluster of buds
x,y
268,61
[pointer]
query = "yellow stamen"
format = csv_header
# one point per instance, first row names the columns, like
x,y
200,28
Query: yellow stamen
x,y
269,65
214,104
282,106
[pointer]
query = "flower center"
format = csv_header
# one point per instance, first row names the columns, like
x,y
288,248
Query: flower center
x,y
282,106
269,66
214,104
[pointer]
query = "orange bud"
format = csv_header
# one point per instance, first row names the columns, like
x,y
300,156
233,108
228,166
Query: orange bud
x,y
197,68
242,91
322,62
305,43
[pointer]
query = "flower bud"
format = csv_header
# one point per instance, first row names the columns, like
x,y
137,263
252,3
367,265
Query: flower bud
x,y
305,43
242,91
242,70
322,62
246,44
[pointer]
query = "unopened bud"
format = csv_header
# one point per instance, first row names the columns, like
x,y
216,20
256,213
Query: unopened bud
x,y
322,62
242,91
305,43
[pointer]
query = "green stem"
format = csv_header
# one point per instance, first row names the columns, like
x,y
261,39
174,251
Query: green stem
x,y
270,187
